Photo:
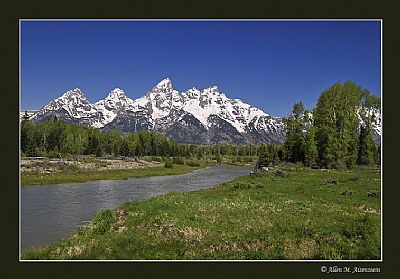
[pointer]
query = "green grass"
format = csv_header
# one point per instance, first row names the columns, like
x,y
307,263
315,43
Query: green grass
x,y
76,175
291,213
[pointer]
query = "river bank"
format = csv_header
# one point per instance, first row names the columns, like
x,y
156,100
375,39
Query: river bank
x,y
287,213
51,213
43,171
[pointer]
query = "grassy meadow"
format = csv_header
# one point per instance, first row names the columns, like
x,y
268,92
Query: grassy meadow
x,y
289,213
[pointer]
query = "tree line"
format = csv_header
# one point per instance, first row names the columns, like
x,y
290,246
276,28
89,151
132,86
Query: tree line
x,y
55,137
332,135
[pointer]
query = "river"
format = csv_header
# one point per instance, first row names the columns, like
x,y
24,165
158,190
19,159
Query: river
x,y
50,213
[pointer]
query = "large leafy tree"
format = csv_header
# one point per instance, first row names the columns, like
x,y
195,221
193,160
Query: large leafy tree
x,y
336,122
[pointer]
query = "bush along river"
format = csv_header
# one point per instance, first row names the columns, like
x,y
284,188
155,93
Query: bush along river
x,y
50,213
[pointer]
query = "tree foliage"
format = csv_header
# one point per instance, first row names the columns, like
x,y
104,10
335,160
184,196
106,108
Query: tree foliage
x,y
337,122
295,140
331,135
40,139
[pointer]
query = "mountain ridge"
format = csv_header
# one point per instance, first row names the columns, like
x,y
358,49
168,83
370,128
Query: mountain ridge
x,y
205,116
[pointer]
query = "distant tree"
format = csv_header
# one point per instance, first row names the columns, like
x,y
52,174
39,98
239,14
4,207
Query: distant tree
x,y
25,117
28,140
25,135
123,147
173,149
111,142
98,151
199,153
93,144
264,157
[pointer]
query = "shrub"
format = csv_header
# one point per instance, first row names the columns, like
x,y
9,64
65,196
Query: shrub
x,y
281,173
347,192
217,158
248,159
241,185
373,194
53,154
169,164
332,181
192,163
238,159
178,161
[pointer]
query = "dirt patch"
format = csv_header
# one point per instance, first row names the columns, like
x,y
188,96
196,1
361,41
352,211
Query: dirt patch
x,y
367,209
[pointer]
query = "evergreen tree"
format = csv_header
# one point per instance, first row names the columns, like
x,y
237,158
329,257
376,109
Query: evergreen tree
x,y
264,157
293,149
28,142
26,131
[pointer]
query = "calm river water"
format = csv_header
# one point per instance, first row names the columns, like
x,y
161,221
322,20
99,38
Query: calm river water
x,y
52,212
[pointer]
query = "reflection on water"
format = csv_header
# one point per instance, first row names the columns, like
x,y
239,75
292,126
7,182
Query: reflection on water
x,y
50,213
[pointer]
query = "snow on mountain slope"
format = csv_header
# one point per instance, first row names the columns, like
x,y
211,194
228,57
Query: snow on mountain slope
x,y
110,106
27,113
72,103
166,110
211,102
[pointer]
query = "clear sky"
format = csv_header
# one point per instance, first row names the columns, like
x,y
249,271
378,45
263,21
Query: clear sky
x,y
268,64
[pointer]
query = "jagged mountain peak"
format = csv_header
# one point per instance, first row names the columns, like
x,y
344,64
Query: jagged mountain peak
x,y
76,90
165,85
73,92
191,93
74,96
211,89
202,116
116,93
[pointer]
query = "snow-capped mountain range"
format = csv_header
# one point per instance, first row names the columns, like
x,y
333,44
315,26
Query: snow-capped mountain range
x,y
194,116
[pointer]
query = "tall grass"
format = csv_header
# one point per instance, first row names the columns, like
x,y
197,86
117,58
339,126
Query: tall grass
x,y
288,213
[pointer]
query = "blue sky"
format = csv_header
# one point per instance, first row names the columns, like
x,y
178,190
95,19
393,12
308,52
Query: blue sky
x,y
268,64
